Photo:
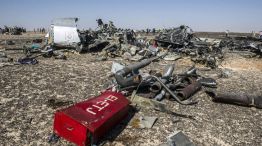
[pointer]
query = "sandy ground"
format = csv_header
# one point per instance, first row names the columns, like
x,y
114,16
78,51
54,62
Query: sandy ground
x,y
27,91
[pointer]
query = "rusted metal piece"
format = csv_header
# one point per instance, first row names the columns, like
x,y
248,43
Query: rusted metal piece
x,y
85,122
189,90
185,102
190,80
238,99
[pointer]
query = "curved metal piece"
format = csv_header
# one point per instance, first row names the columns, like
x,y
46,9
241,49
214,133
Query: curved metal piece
x,y
156,87
129,81
185,102
167,74
124,81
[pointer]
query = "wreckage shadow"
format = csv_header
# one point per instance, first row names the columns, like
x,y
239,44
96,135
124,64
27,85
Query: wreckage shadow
x,y
228,103
113,133
96,48
182,115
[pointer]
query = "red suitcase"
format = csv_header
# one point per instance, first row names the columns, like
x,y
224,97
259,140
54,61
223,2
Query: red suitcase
x,y
85,122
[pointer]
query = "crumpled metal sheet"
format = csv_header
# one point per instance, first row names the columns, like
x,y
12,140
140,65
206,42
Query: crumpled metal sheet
x,y
148,103
116,67
143,122
178,138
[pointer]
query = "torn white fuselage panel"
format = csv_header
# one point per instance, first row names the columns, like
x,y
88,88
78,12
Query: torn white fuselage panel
x,y
64,32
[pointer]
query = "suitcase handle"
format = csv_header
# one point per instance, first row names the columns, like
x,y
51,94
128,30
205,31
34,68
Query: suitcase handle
x,y
69,128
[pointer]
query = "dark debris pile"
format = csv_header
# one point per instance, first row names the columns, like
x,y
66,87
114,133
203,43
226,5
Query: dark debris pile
x,y
155,85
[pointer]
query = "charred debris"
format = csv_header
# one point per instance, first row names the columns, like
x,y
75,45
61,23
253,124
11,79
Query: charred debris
x,y
143,88
16,30
107,42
